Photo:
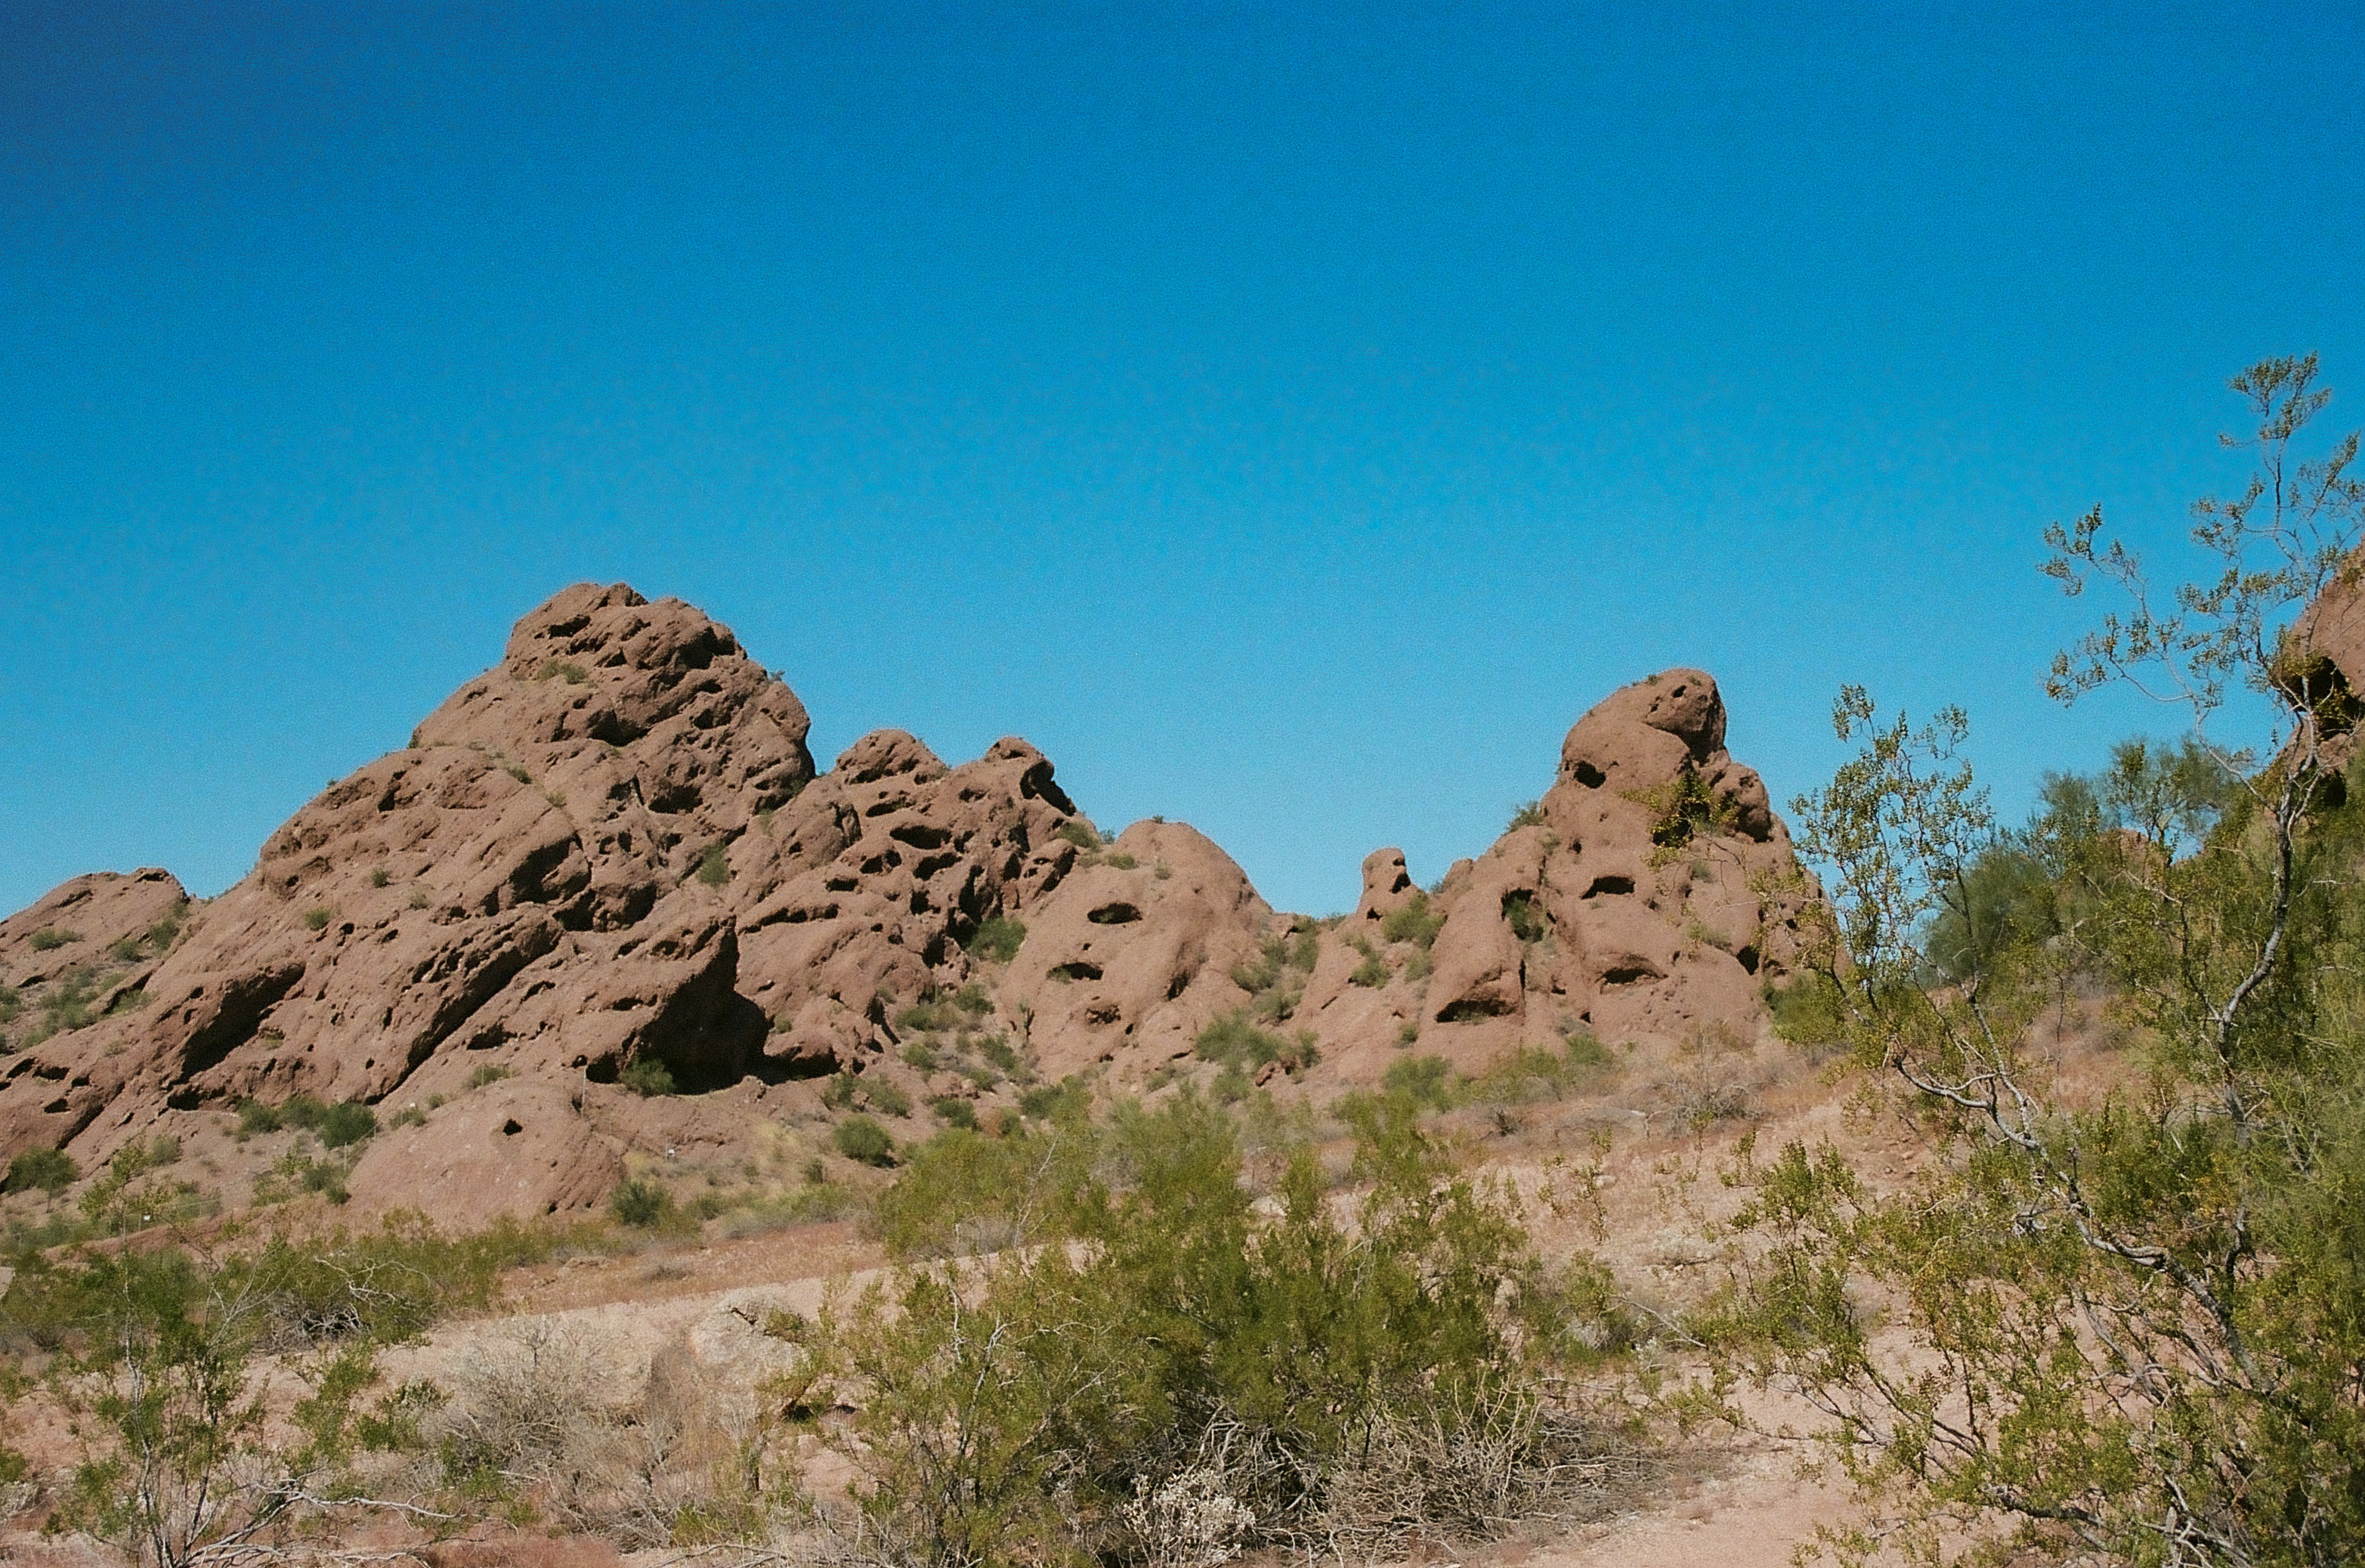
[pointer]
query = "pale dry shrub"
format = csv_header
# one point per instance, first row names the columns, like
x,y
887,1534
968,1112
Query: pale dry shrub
x,y
1188,1521
661,1463
1468,1475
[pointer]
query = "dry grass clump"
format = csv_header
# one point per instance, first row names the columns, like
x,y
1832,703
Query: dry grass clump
x,y
543,1417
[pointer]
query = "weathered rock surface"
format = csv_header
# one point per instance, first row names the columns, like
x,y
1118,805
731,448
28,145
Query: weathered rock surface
x,y
608,866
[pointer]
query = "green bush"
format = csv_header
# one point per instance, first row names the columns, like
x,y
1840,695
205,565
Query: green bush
x,y
714,866
640,1203
996,939
50,938
1080,834
954,1111
1422,1080
1412,921
862,1140
51,1169
255,1116
490,1073
1527,813
317,918
345,1122
1528,920
1012,1405
1049,1102
648,1077
1231,1039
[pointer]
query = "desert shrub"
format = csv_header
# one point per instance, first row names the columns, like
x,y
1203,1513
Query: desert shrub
x,y
379,876
255,1116
1537,1072
996,939
1049,1102
1412,921
862,1140
1423,1081
1681,810
1231,1039
1066,1403
882,1095
489,1073
566,670
648,1077
1528,920
962,1192
317,918
953,1111
51,1169
997,1050
641,1202
714,866
1527,813
922,1055
1082,834
2116,1326
50,938
345,1122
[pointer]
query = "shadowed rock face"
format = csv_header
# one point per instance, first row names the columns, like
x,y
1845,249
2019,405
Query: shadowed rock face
x,y
612,849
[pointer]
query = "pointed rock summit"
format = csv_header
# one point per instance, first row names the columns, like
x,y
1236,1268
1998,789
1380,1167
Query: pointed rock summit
x,y
607,868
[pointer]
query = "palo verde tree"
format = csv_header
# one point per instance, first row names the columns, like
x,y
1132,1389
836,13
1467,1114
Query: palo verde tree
x,y
2127,1324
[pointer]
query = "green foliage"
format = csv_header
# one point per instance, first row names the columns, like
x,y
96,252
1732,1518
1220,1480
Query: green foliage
x,y
641,1202
255,1116
954,1112
51,1169
151,1352
861,1139
1080,834
1682,810
50,938
1535,1072
566,670
996,939
1231,1038
1528,920
1009,1407
379,877
1422,1080
962,1192
1049,1102
648,1078
317,918
1527,813
882,1095
489,1073
2121,1326
1412,921
714,866
345,1122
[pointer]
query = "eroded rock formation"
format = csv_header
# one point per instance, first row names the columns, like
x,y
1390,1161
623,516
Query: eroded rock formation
x,y
608,864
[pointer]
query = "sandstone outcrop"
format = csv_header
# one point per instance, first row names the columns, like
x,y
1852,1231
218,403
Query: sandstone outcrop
x,y
607,868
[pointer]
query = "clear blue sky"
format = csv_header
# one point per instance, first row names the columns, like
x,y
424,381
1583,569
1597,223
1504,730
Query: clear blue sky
x,y
1289,418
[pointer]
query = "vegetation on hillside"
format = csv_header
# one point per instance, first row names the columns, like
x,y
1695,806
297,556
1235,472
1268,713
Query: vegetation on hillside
x,y
2123,1326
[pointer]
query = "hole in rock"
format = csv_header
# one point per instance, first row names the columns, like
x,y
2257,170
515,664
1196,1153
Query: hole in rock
x,y
512,1127
1077,972
1609,883
1115,914
1590,777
